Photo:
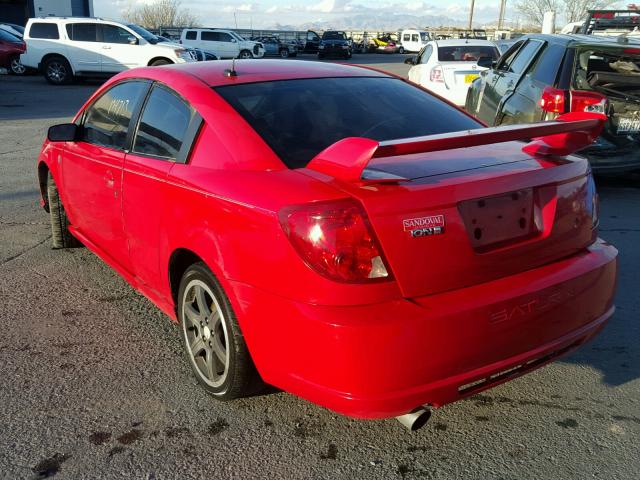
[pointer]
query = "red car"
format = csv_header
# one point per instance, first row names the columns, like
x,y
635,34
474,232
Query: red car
x,y
320,228
11,47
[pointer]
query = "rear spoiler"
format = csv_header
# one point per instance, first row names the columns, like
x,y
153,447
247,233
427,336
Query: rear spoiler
x,y
347,158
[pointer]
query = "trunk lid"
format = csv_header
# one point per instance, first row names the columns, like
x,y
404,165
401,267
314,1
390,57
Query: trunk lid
x,y
470,215
460,74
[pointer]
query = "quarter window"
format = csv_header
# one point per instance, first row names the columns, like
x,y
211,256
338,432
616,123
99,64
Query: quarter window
x,y
191,35
163,125
82,32
107,121
426,53
44,30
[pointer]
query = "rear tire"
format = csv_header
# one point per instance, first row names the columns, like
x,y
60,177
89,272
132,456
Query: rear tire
x,y
284,53
213,343
60,235
16,68
57,71
401,50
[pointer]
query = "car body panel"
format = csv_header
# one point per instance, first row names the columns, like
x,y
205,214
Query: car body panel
x,y
442,326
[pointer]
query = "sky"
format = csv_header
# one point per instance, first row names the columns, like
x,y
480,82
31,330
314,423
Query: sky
x,y
265,14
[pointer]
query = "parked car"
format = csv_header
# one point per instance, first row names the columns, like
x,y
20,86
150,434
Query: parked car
x,y
222,43
387,43
13,29
447,67
542,76
347,249
274,47
311,42
414,40
334,43
64,48
11,47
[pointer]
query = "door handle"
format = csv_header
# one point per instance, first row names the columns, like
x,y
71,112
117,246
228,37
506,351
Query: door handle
x,y
108,179
106,47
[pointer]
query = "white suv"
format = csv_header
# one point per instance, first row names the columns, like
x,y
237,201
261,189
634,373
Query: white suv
x,y
63,48
222,43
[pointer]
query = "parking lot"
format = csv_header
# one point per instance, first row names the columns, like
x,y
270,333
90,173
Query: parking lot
x,y
93,382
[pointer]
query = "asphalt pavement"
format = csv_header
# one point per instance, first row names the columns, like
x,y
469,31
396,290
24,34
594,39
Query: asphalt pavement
x,y
93,383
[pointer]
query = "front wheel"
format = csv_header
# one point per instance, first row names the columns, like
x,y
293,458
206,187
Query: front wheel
x,y
284,53
213,342
160,61
245,54
401,50
16,67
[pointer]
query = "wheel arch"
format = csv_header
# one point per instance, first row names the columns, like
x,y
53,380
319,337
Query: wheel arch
x,y
54,55
155,59
179,261
43,174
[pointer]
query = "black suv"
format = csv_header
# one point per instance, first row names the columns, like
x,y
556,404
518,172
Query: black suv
x,y
542,76
334,43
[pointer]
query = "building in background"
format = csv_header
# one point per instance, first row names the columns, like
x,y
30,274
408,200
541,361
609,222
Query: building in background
x,y
18,11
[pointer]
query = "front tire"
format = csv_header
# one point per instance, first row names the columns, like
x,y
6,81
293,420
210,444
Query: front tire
x,y
160,61
214,345
401,50
57,71
284,53
245,54
60,235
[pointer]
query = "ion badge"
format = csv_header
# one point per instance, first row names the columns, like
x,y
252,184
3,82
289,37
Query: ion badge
x,y
424,226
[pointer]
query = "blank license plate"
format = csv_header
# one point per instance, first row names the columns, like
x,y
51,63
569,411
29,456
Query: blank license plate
x,y
470,77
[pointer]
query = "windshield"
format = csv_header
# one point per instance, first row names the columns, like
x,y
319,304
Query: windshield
x,y
147,35
466,53
300,118
236,36
334,36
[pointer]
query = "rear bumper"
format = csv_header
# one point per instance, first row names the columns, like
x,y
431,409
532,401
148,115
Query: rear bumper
x,y
383,360
606,158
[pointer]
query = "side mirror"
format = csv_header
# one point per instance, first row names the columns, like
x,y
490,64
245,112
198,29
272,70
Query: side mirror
x,y
65,132
411,60
234,40
132,40
486,62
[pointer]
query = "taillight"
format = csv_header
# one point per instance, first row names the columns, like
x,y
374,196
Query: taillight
x,y
585,101
336,240
553,100
593,201
436,75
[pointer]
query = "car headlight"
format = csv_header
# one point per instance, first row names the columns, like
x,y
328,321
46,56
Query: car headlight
x,y
321,47
345,46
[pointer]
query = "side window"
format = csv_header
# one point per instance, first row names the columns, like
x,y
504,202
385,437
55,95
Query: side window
x,y
405,37
415,38
224,37
44,30
82,32
508,56
106,122
547,65
426,53
312,37
163,125
191,35
115,34
524,57
209,36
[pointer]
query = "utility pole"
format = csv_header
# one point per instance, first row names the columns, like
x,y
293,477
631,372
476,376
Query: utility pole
x,y
471,15
503,6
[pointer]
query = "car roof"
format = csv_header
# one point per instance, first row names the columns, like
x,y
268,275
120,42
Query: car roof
x,y
464,41
249,71
582,39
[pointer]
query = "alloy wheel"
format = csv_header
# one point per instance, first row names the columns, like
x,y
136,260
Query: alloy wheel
x,y
17,67
56,71
205,332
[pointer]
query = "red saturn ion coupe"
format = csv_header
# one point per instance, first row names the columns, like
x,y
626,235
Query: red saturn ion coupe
x,y
334,231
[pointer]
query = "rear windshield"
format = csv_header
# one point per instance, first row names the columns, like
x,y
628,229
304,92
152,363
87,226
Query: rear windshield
x,y
300,118
466,53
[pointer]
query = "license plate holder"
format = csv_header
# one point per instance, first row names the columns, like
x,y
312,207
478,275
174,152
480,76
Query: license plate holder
x,y
493,222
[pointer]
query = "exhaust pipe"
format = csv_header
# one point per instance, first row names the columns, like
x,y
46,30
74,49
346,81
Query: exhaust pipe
x,y
415,419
